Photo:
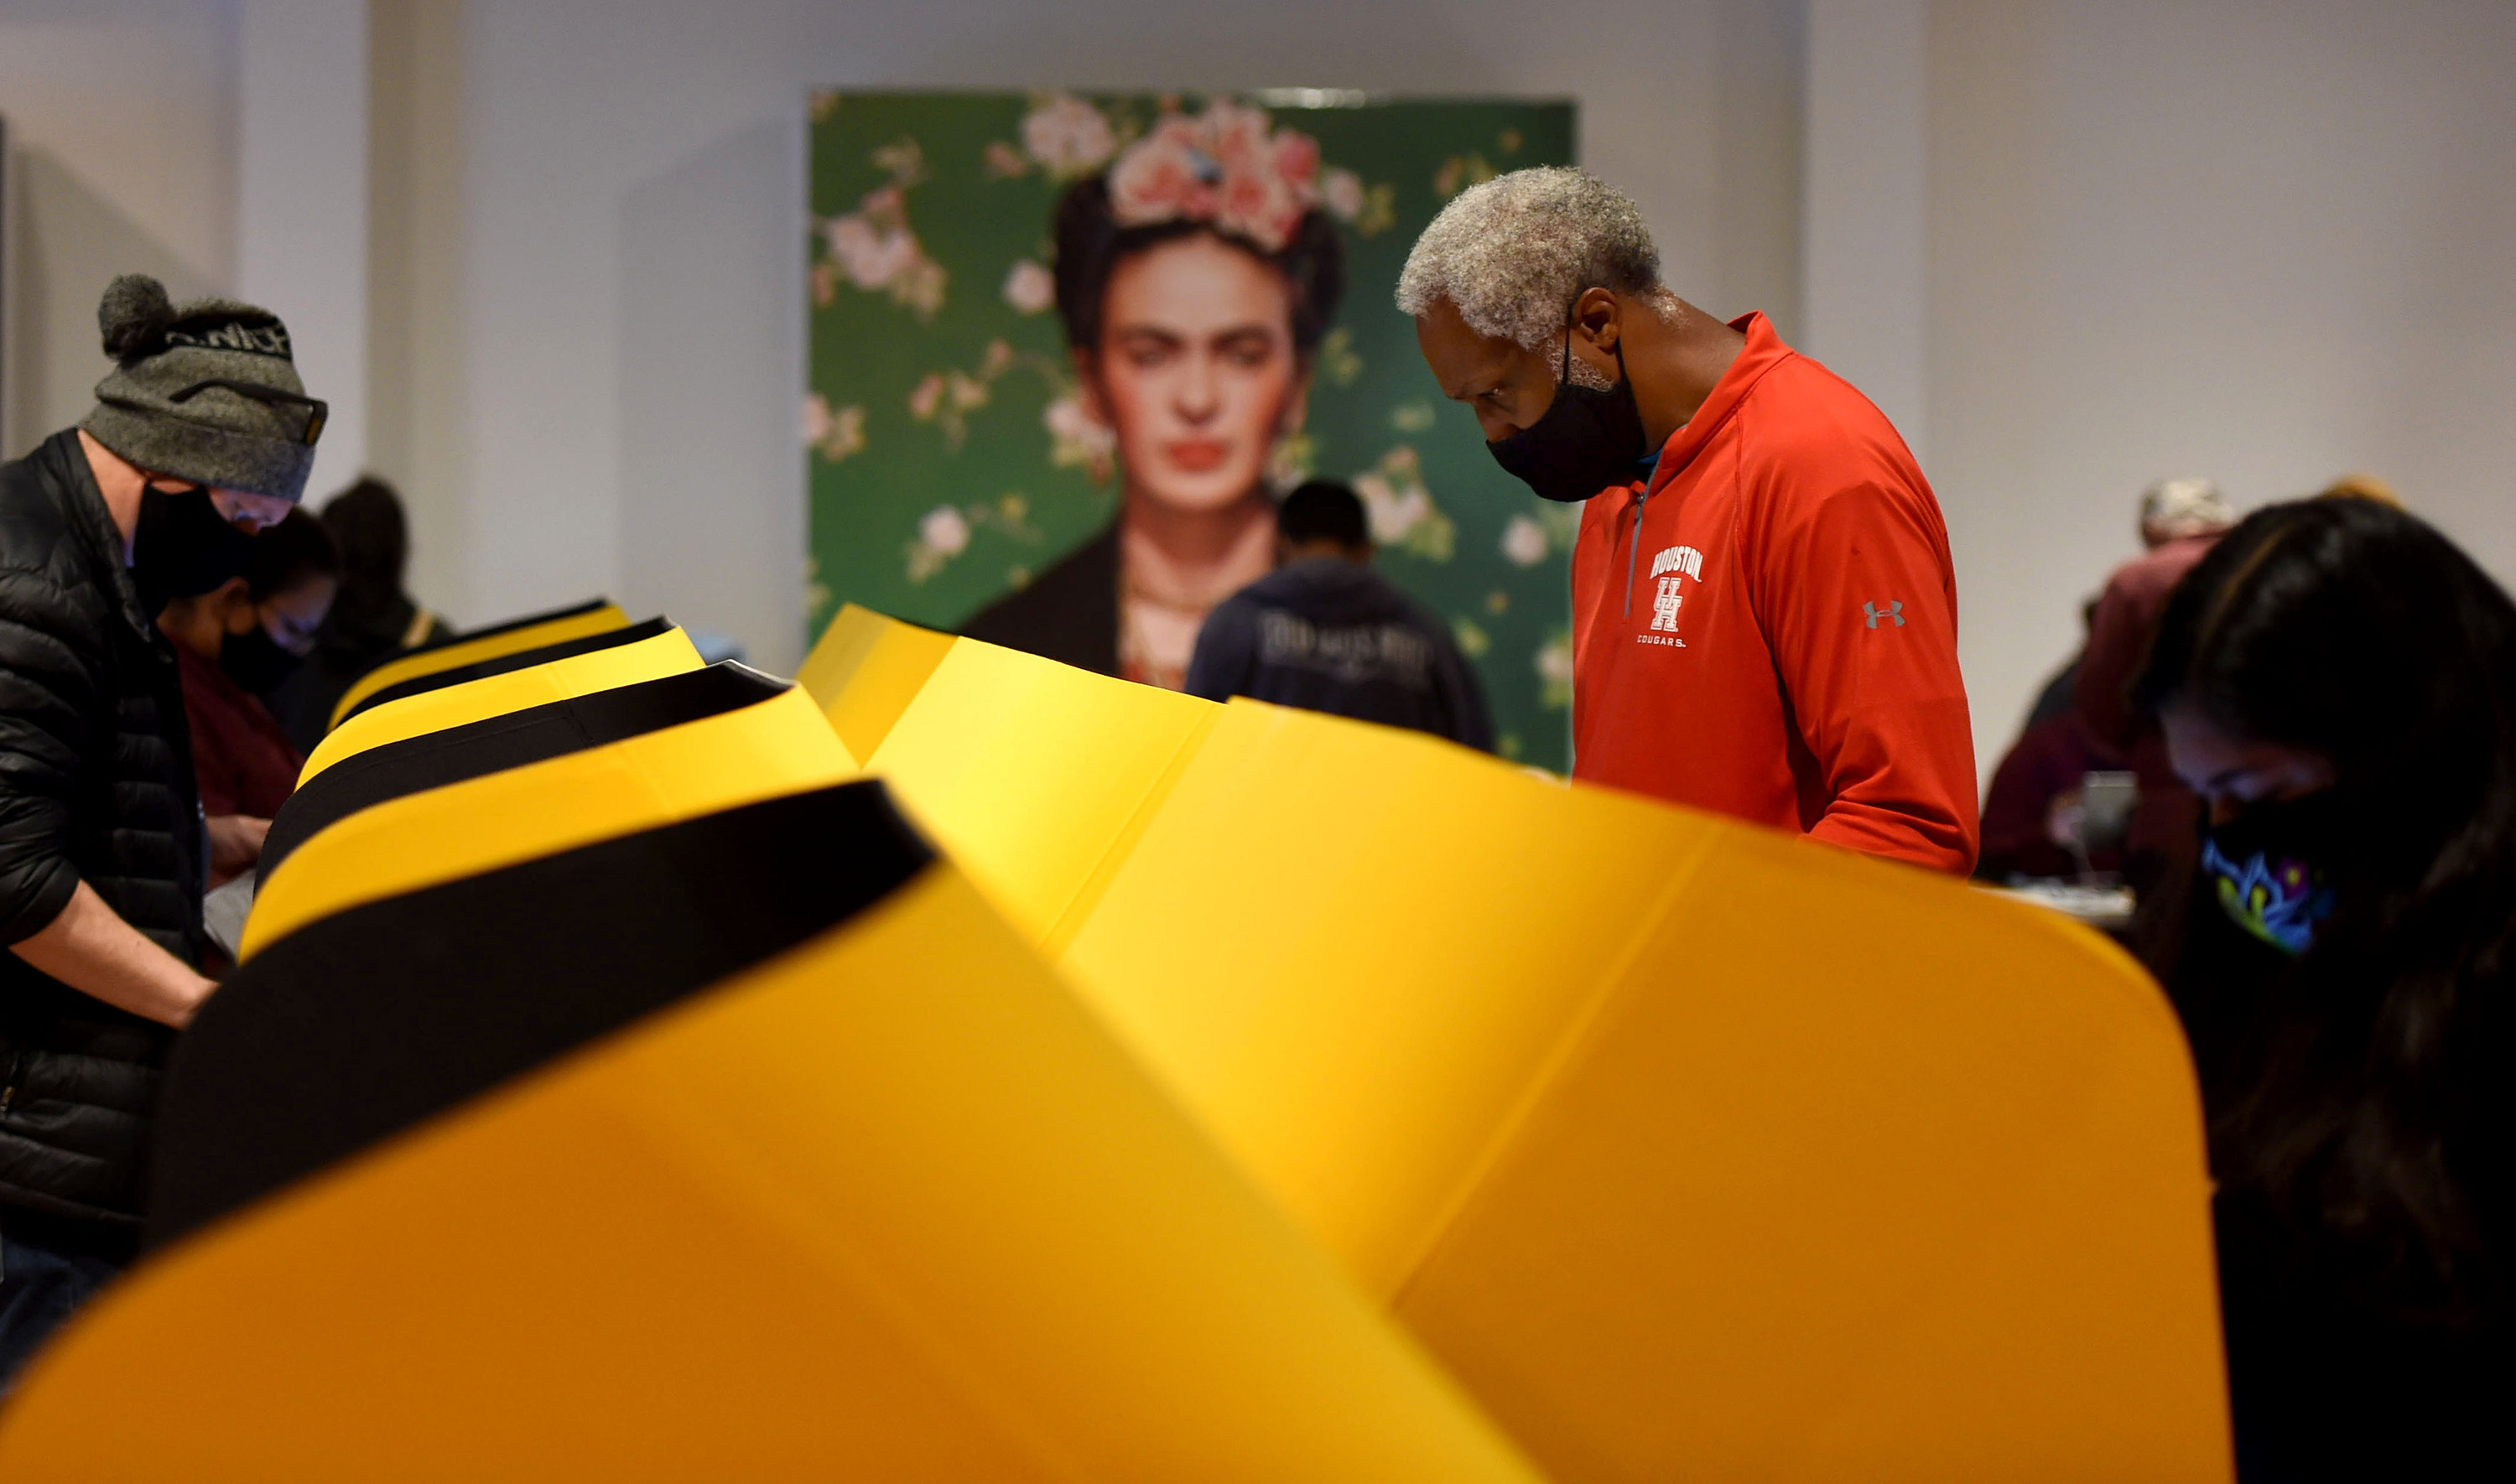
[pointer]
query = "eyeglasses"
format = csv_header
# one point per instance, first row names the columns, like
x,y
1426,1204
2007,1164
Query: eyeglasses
x,y
317,411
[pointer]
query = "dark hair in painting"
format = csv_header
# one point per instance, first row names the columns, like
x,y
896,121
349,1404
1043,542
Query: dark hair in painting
x,y
1091,244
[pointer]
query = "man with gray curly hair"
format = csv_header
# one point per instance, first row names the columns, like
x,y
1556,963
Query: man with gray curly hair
x,y
1511,253
1792,658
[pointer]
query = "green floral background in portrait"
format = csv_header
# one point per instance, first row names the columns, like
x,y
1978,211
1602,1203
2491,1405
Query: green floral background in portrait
x,y
948,461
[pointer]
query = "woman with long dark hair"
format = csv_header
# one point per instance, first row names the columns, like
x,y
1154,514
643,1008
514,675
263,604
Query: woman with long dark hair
x,y
1196,281
2337,681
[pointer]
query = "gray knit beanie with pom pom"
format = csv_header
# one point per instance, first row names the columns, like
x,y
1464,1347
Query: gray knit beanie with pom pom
x,y
204,392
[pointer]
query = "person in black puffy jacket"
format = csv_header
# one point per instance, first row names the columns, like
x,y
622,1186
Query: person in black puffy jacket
x,y
201,436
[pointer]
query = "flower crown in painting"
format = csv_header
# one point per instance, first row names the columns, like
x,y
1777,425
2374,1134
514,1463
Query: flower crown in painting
x,y
1225,167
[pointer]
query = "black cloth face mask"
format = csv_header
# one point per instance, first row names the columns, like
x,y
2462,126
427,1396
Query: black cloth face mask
x,y
256,661
1588,439
183,547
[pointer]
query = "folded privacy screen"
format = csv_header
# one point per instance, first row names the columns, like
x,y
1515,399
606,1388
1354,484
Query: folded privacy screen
x,y
891,1206
771,747
530,633
374,1018
1032,775
439,676
865,669
534,734
1689,1147
645,659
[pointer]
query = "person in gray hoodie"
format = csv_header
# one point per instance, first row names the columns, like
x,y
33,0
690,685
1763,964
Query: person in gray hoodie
x,y
1324,631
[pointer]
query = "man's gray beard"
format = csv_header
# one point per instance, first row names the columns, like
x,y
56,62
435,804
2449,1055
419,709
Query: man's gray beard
x,y
1584,374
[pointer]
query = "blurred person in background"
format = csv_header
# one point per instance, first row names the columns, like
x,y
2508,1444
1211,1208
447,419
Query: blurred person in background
x,y
1324,631
2060,693
236,643
201,436
2336,682
2360,488
2030,813
372,618
1764,606
2180,519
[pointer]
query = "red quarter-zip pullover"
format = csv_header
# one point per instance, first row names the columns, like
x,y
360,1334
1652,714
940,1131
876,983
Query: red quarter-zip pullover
x,y
1768,629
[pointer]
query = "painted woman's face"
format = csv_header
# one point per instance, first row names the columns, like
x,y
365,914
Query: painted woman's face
x,y
1196,371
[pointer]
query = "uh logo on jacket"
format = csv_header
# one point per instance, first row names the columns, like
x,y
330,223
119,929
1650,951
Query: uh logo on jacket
x,y
1670,570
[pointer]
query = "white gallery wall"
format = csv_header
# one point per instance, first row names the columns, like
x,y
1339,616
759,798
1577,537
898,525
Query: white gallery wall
x,y
2072,245
301,140
2269,243
121,158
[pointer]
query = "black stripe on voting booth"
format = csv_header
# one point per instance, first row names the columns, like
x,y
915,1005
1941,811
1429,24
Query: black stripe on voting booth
x,y
510,625
374,1020
495,744
522,659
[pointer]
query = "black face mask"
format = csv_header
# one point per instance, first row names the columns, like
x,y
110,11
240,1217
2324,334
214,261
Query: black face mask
x,y
2273,867
183,547
255,660
1587,439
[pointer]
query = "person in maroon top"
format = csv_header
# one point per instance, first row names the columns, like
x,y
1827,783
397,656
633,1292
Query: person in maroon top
x,y
2180,520
235,645
2040,777
2028,812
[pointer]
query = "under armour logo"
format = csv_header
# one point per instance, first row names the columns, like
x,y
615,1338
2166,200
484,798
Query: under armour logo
x,y
1895,610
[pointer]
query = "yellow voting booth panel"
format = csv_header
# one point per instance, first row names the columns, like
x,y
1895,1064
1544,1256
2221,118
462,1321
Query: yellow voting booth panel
x,y
865,669
1350,948
893,1206
514,639
648,659
1032,775
779,746
1692,1150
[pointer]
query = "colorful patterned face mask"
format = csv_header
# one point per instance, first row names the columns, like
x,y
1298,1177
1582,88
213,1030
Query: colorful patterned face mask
x,y
2262,866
